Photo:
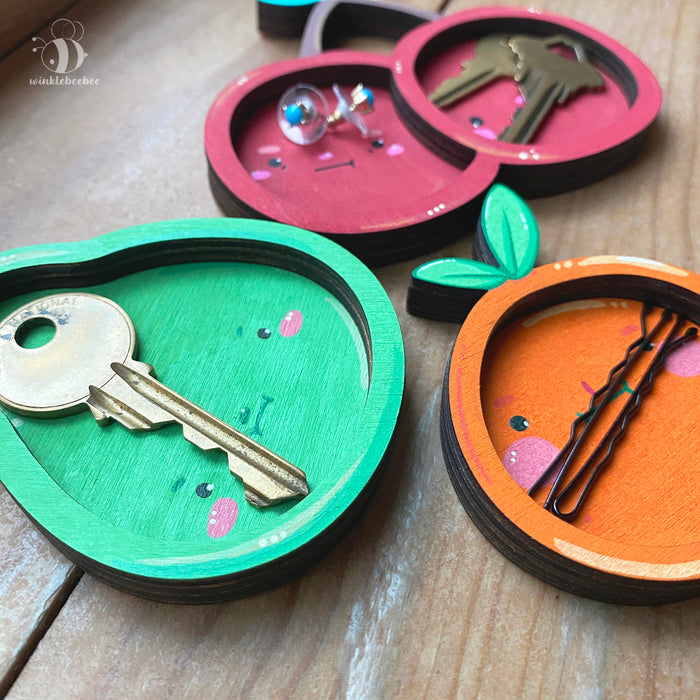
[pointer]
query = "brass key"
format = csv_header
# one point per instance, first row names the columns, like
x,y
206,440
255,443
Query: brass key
x,y
546,78
89,362
493,58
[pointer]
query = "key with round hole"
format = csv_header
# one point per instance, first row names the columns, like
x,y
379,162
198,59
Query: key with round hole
x,y
88,362
546,78
493,58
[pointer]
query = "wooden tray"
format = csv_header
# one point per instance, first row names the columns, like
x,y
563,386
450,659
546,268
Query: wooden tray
x,y
420,184
525,364
587,138
383,198
212,302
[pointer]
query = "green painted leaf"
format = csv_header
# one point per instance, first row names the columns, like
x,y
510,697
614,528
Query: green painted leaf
x,y
510,230
460,272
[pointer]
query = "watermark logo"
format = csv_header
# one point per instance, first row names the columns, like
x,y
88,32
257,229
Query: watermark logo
x,y
64,53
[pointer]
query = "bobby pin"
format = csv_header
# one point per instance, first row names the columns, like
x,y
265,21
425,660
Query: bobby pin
x,y
599,399
619,426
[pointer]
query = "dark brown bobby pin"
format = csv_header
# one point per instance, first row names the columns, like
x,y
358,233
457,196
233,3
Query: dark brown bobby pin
x,y
599,399
619,426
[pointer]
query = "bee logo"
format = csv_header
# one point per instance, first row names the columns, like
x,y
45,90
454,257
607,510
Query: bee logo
x,y
63,54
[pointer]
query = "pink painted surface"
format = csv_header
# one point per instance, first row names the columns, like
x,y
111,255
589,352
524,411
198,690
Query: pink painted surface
x,y
589,123
528,458
291,323
222,517
343,183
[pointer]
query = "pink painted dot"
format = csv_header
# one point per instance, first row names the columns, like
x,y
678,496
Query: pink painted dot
x,y
588,388
685,361
326,155
628,330
527,459
222,517
396,149
503,401
260,174
291,324
485,132
519,100
268,150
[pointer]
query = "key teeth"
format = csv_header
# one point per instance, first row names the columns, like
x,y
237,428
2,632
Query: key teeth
x,y
105,408
255,499
260,501
286,490
196,438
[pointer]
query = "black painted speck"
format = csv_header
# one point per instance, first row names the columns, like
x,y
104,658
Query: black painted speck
x,y
519,423
204,490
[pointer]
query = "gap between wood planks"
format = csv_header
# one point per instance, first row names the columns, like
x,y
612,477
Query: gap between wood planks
x,y
43,26
53,608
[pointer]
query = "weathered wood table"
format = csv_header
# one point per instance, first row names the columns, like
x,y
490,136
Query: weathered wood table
x,y
414,602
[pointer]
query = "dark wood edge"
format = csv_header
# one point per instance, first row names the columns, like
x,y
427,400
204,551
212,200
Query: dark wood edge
x,y
534,557
333,20
282,21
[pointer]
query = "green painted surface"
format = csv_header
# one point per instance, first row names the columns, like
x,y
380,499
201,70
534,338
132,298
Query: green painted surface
x,y
460,272
511,233
141,501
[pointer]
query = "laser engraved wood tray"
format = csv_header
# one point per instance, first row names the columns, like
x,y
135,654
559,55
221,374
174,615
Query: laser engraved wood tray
x,y
590,135
278,332
525,363
382,198
588,369
420,182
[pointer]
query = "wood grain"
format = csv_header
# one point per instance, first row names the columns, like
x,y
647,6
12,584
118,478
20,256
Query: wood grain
x,y
36,580
415,602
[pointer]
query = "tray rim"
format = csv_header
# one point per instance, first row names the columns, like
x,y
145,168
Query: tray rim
x,y
641,115
26,478
491,314
226,166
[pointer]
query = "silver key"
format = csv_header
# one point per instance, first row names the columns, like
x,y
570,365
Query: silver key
x,y
546,78
493,58
89,362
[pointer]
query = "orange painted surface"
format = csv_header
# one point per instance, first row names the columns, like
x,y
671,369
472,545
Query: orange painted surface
x,y
538,372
